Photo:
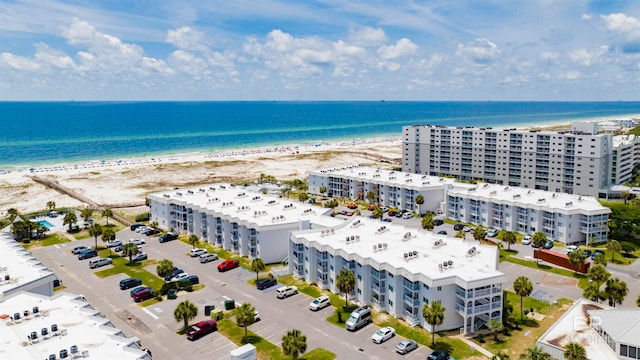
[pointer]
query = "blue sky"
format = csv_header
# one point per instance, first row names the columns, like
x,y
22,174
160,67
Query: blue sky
x,y
319,50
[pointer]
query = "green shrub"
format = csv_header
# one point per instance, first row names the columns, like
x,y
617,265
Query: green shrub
x,y
186,286
142,217
168,286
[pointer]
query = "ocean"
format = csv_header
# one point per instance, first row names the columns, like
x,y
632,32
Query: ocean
x,y
36,133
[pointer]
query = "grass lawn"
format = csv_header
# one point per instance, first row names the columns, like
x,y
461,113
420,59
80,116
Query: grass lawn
x,y
121,265
529,330
265,349
48,240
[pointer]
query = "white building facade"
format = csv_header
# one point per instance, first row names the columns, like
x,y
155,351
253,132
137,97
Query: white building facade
x,y
571,219
625,156
399,269
246,222
574,163
390,188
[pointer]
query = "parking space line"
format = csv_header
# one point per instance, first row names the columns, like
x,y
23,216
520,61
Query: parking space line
x,y
150,313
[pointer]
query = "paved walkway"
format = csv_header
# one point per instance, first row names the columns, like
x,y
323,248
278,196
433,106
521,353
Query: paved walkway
x,y
474,346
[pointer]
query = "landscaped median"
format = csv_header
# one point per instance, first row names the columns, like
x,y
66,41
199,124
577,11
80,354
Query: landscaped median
x,y
265,349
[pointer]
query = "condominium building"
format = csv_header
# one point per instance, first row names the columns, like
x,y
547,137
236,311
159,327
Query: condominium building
x,y
571,219
399,269
390,188
20,271
241,219
61,326
624,157
570,162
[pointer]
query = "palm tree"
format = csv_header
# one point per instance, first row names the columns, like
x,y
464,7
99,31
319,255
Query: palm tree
x,y
370,196
535,353
257,265
51,205
461,234
433,315
164,268
130,250
95,230
523,287
419,201
86,214
539,238
193,240
107,213
13,214
323,190
185,311
600,260
598,274
509,237
333,203
294,343
107,235
616,290
479,233
614,247
69,219
377,213
245,316
574,351
18,229
427,222
41,230
625,195
500,356
303,196
591,292
496,327
577,258
346,282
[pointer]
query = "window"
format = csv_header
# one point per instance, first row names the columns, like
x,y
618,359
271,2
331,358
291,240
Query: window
x,y
426,286
632,352
623,350
425,300
359,291
439,288
390,303
390,288
359,277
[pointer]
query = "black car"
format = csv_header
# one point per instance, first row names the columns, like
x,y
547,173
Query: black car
x,y
135,226
438,222
265,283
438,355
548,244
148,232
587,253
167,237
128,283
442,232
175,272
192,279
458,227
87,254
596,253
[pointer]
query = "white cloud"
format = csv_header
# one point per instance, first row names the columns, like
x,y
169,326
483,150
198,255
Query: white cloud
x,y
621,23
186,38
187,62
19,62
53,57
367,36
586,16
403,47
585,57
479,51
570,75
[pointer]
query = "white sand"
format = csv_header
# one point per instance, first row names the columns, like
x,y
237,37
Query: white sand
x,y
130,180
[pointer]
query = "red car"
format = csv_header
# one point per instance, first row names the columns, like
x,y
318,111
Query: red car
x,y
228,265
202,328
144,294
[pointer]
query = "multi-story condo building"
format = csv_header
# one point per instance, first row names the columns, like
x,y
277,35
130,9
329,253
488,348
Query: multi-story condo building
x,y
571,219
570,162
390,188
240,219
399,269
624,157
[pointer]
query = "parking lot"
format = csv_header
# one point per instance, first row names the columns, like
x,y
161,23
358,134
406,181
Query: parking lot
x,y
156,326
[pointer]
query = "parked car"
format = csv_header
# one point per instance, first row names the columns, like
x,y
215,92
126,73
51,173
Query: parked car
x,y
167,237
172,294
386,219
148,232
320,303
534,245
118,248
458,227
144,294
438,222
406,346
548,244
492,232
128,283
137,241
228,265
407,216
526,240
179,277
201,328
571,248
89,253
596,253
192,279
140,256
383,334
138,289
442,232
467,228
114,243
78,249
99,262
398,215
358,318
205,258
197,252
175,272
135,226
265,283
438,355
587,253
286,291
352,205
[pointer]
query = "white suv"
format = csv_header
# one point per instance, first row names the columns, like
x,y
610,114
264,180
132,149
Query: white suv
x,y
197,252
320,303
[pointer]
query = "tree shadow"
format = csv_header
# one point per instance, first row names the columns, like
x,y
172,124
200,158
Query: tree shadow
x,y
251,339
441,345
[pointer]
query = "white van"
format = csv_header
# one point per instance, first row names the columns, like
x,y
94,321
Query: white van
x,y
205,258
99,262
286,291
359,318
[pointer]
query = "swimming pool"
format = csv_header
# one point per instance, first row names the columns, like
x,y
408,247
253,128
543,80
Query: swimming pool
x,y
44,223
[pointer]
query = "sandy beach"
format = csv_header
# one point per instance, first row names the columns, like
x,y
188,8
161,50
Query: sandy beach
x,y
130,180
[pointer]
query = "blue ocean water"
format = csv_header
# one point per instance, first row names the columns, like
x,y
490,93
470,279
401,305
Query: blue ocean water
x,y
53,132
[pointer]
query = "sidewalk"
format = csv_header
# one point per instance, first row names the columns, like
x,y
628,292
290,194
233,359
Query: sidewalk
x,y
474,346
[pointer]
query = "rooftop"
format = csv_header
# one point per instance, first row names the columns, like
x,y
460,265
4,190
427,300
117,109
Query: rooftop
x,y
248,204
19,268
48,325
623,325
415,250
531,198
404,179
622,140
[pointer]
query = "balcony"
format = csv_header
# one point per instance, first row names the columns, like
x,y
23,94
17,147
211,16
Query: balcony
x,y
410,301
480,292
460,309
461,293
481,308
